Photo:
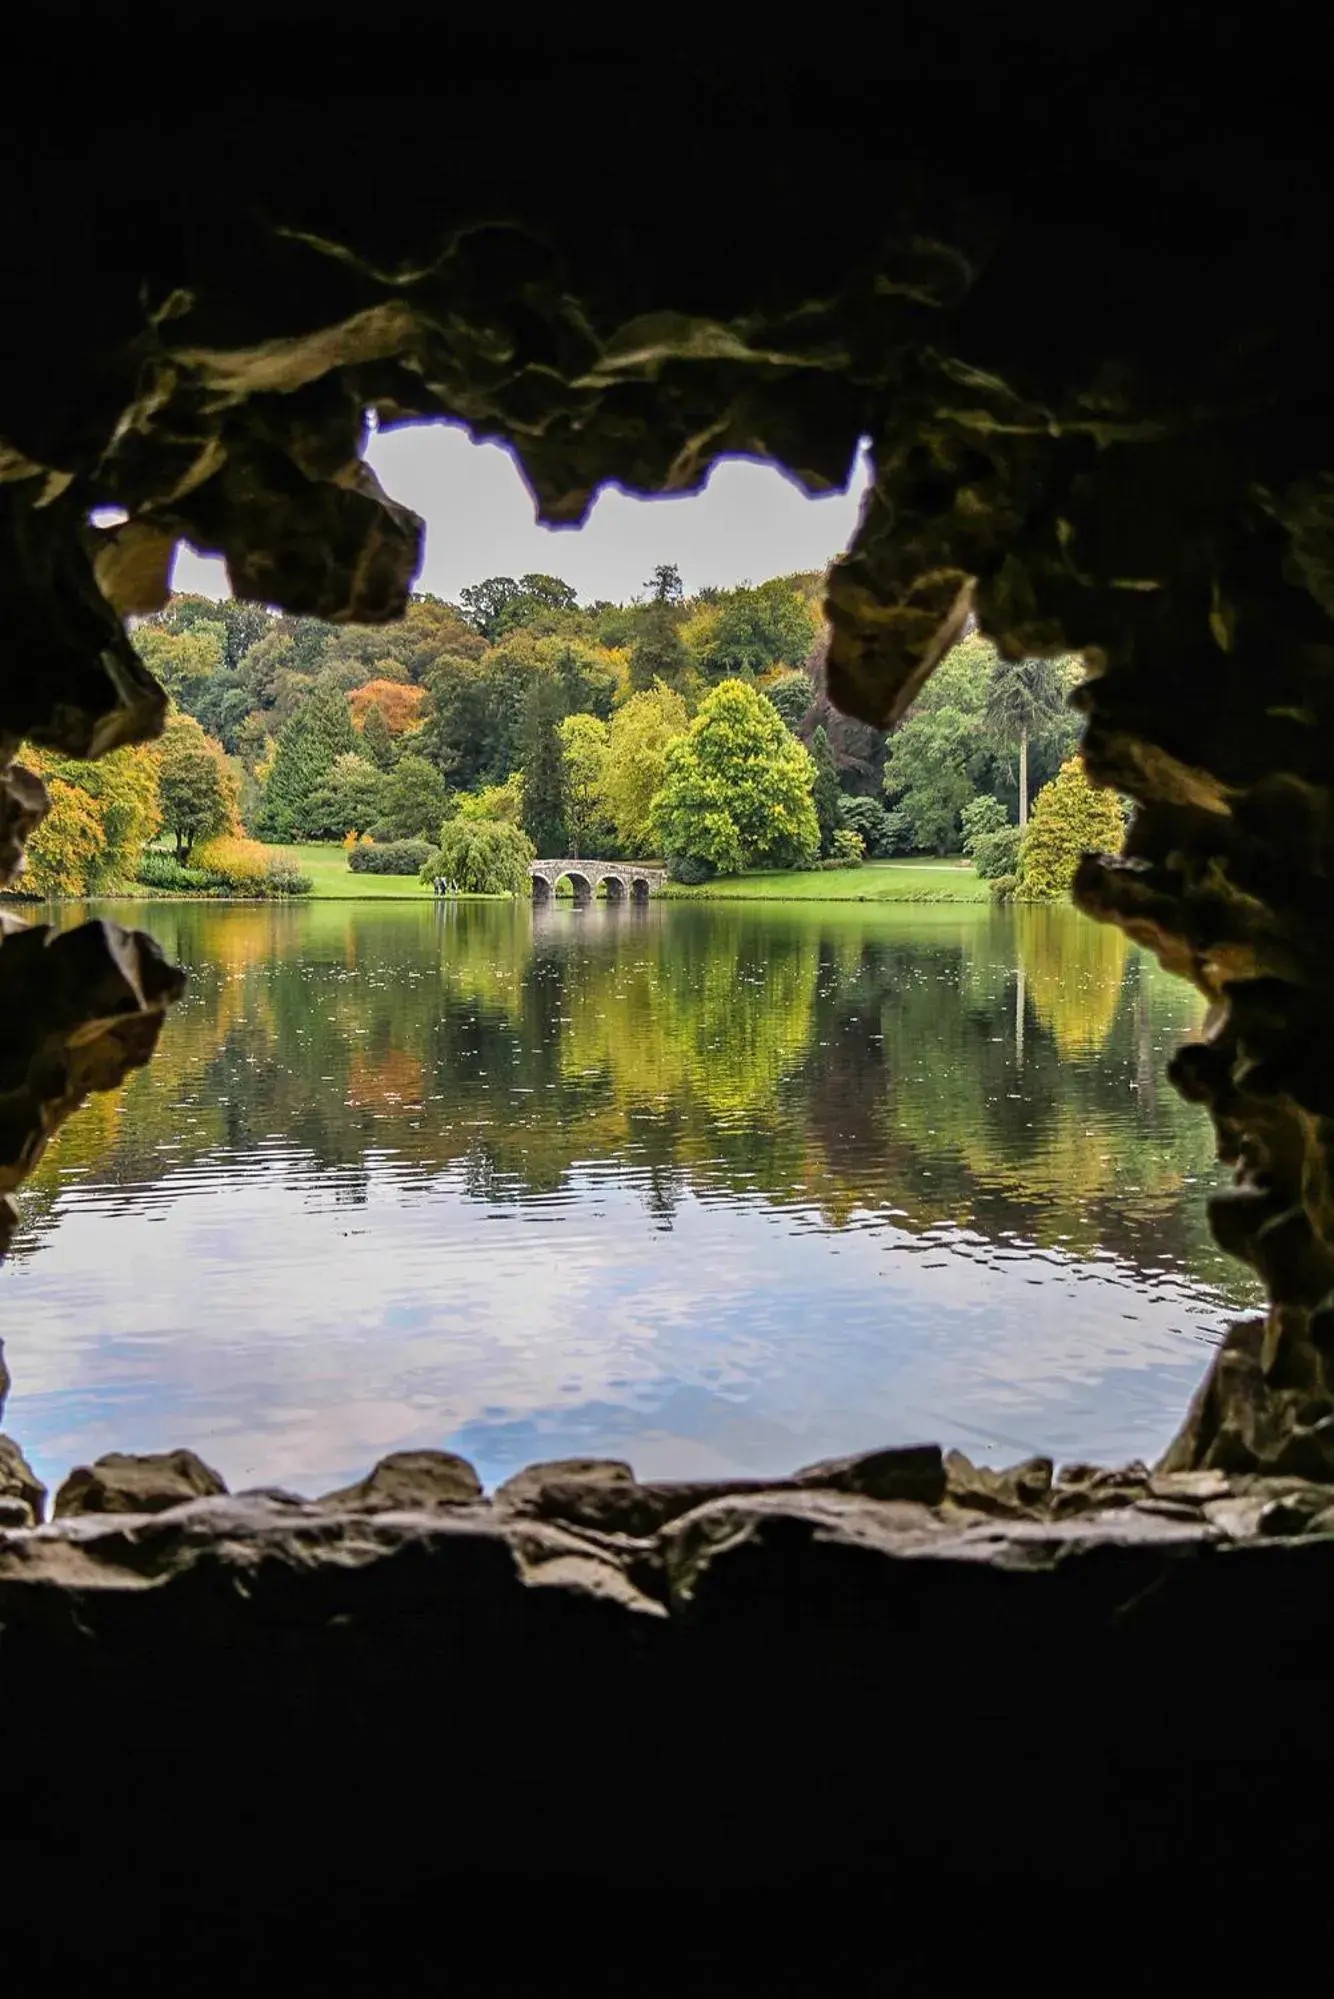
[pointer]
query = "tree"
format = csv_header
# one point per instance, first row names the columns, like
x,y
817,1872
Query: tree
x,y
474,726
377,740
198,789
658,653
737,788
496,801
584,745
399,703
352,796
637,743
759,627
1070,818
825,796
985,815
792,694
481,857
664,585
1024,697
184,661
544,768
499,604
317,733
64,852
416,798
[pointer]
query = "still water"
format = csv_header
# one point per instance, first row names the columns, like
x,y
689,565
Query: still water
x,y
714,1188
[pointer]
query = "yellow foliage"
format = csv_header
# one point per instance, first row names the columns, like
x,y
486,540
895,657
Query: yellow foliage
x,y
64,851
242,863
350,840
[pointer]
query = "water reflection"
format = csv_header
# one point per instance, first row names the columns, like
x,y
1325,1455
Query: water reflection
x,y
713,1187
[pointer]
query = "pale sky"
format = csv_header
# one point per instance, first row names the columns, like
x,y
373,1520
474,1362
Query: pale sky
x,y
750,522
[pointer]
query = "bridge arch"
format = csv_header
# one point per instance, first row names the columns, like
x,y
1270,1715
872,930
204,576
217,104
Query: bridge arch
x,y
624,881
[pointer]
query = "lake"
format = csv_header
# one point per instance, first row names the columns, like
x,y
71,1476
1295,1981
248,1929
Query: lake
x,y
717,1188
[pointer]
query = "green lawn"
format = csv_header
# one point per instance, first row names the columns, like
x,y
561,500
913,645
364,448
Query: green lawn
x,y
326,864
877,881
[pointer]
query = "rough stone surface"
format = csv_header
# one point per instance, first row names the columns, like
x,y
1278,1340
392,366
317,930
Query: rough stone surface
x,y
912,1471
22,1493
121,1482
413,1480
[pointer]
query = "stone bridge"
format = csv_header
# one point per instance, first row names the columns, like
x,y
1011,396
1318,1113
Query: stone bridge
x,y
627,881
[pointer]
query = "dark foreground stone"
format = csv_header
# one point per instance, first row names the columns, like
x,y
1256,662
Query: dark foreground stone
x,y
794,1740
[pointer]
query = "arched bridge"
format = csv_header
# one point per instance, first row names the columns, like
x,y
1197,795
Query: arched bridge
x,y
627,881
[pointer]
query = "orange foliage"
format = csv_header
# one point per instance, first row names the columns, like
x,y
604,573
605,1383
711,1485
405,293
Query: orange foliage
x,y
401,706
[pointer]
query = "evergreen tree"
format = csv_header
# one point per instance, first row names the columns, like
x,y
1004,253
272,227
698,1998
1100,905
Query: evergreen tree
x,y
309,743
377,743
544,768
826,795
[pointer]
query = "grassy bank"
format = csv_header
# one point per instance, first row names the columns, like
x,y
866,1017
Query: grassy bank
x,y
877,881
326,864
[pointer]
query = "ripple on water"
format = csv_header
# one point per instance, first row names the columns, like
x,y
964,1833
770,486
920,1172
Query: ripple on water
x,y
714,1189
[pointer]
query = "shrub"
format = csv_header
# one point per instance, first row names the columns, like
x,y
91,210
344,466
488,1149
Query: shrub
x,y
983,817
1004,888
396,857
237,866
284,879
233,863
848,850
164,871
690,869
996,853
869,818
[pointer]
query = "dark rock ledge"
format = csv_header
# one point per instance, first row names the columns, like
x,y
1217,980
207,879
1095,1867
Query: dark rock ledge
x,y
591,1529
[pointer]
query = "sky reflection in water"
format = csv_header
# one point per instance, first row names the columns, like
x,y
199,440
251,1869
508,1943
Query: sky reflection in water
x,y
714,1188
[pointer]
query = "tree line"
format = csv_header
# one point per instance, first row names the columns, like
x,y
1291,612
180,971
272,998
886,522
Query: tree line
x,y
695,729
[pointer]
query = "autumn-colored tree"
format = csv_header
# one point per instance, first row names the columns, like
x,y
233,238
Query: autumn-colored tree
x,y
400,703
64,852
1070,818
121,792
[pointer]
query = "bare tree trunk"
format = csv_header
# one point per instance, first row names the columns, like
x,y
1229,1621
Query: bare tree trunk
x,y
1023,777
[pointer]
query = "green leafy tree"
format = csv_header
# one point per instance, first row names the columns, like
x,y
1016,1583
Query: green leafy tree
x,y
198,790
544,768
826,796
1023,701
474,727
481,857
584,742
499,604
759,626
415,797
1070,818
588,680
184,661
637,744
737,788
792,694
376,741
353,797
495,801
982,816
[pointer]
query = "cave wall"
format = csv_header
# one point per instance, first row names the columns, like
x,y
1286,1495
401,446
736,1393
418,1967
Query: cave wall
x,y
1071,289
